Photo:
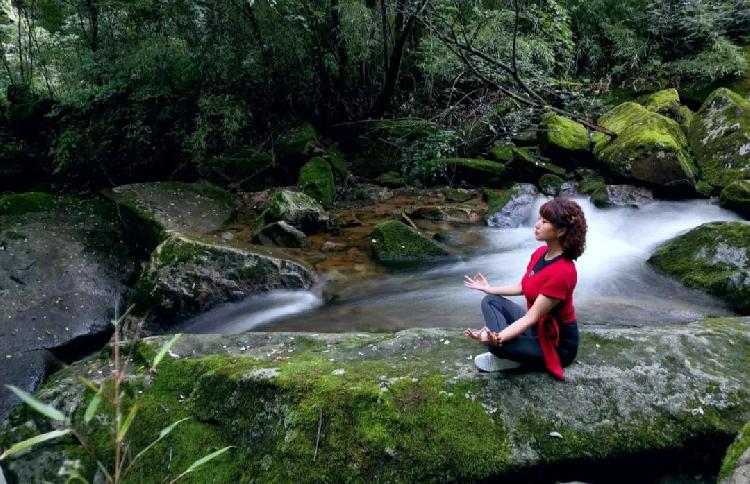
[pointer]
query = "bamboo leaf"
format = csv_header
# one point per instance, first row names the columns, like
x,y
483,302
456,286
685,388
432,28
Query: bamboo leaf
x,y
128,421
91,409
164,432
89,384
195,465
164,349
15,449
41,407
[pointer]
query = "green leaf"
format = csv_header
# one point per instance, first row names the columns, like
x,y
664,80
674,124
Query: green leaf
x,y
91,409
128,421
41,407
164,432
195,465
89,384
15,449
164,349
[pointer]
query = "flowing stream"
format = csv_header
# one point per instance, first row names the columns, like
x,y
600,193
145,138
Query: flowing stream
x,y
616,286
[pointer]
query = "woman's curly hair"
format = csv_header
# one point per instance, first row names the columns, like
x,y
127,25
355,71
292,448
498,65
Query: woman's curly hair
x,y
567,214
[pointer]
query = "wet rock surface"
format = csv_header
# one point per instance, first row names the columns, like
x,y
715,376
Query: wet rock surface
x,y
513,208
621,196
411,405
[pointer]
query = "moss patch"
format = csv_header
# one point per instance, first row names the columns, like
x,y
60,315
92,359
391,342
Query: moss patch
x,y
502,152
550,184
316,180
20,203
735,451
473,170
662,102
736,196
393,241
714,257
297,141
561,137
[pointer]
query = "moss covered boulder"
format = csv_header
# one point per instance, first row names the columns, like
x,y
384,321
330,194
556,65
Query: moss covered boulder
x,y
550,184
563,139
297,209
736,196
527,165
399,144
316,180
510,209
735,468
411,407
621,196
153,208
714,257
65,268
663,102
279,234
474,171
720,138
394,241
649,148
186,277
297,142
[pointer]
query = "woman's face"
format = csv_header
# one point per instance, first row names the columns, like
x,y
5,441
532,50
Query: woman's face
x,y
545,231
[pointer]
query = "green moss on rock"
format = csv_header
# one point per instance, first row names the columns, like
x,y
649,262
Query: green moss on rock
x,y
298,141
393,241
391,179
503,152
473,170
663,102
649,148
316,180
720,138
736,196
550,184
731,460
20,203
714,257
297,209
562,138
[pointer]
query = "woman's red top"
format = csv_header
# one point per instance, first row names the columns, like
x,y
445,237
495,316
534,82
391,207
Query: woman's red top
x,y
557,280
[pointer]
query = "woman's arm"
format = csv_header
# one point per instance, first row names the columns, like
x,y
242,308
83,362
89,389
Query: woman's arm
x,y
541,306
480,283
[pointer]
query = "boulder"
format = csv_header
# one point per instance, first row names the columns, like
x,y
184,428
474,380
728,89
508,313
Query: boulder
x,y
412,407
550,184
279,234
720,138
736,196
458,195
460,214
186,277
475,171
666,101
297,209
714,257
298,142
590,181
316,180
649,148
64,269
512,208
503,152
621,196
151,209
527,165
563,139
250,170
398,144
735,468
394,241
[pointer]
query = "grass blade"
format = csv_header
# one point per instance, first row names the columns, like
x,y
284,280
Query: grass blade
x,y
15,449
128,421
164,349
91,409
195,465
41,407
164,432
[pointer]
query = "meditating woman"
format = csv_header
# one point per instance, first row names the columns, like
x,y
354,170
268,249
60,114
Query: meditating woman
x,y
545,334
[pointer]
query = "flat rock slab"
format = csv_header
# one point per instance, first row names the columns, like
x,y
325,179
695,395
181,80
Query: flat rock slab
x,y
411,406
62,274
197,208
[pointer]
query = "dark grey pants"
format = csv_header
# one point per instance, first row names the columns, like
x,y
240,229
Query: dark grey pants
x,y
499,313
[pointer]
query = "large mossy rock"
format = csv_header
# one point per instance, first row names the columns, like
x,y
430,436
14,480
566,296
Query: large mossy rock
x,y
736,196
411,407
64,269
279,234
550,184
663,102
714,257
524,164
474,171
649,148
397,144
735,469
298,142
186,277
252,171
394,241
511,208
720,138
154,208
316,180
297,209
563,139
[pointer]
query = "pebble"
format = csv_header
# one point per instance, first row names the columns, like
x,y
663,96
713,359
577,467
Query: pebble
x,y
338,372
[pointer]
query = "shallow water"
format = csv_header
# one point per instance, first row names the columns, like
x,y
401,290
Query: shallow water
x,y
616,286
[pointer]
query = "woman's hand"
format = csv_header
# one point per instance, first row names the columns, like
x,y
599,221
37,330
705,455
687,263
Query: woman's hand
x,y
485,336
478,282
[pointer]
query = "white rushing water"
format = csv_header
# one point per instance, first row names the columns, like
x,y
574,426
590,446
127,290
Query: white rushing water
x,y
616,286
